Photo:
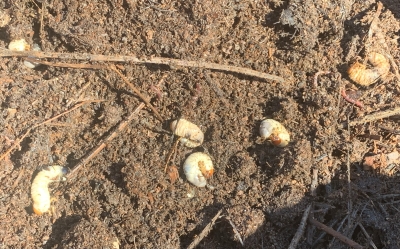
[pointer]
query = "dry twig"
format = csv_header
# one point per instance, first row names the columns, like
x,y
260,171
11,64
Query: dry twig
x,y
323,234
205,231
19,140
374,23
171,152
107,140
151,60
67,65
367,235
335,234
41,33
237,234
338,229
372,117
313,191
350,201
300,229
21,173
112,67
393,131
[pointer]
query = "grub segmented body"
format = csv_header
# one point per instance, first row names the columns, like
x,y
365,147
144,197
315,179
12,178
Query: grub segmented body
x,y
275,132
198,167
365,76
191,135
40,187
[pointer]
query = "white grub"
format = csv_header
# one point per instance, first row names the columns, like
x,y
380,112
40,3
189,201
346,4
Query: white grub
x,y
40,187
275,132
198,167
19,45
191,135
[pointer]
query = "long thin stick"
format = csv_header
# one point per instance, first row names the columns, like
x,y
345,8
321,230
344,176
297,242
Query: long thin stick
x,y
338,230
205,231
323,234
367,235
300,229
170,154
237,234
374,22
151,60
112,67
380,38
19,140
350,200
335,234
41,34
311,229
107,140
68,65
373,117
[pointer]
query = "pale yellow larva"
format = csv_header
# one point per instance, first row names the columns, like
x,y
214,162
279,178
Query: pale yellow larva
x,y
275,132
364,76
19,45
191,135
40,187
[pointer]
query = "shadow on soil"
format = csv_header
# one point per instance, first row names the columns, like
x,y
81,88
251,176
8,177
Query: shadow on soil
x,y
372,214
59,228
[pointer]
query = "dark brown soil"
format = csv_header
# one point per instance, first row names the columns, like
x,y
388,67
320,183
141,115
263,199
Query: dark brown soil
x,y
123,194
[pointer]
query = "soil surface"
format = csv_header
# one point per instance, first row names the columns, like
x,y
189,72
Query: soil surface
x,y
122,197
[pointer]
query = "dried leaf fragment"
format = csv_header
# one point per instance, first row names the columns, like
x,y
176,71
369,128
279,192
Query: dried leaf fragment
x,y
173,173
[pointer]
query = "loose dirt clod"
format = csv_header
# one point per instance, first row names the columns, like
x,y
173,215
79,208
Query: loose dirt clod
x,y
86,233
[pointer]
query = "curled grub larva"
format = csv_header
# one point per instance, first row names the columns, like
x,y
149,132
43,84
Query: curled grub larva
x,y
191,135
364,76
275,132
198,167
40,187
19,45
